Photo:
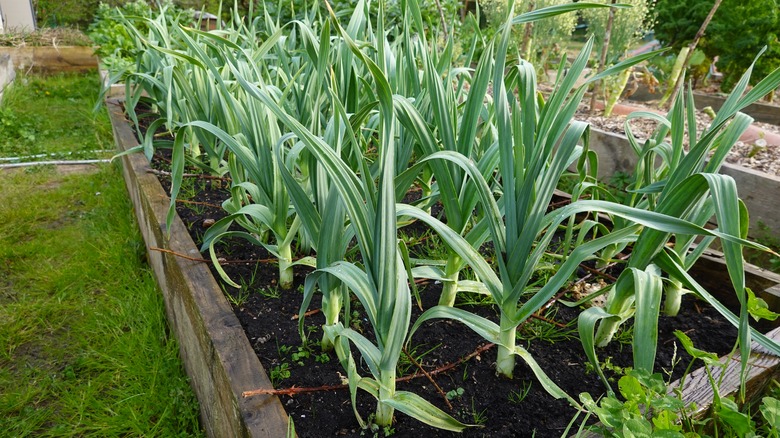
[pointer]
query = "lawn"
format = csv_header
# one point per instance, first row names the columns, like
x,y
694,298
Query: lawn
x,y
84,345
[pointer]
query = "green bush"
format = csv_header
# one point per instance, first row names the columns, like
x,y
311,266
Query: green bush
x,y
677,22
738,31
115,46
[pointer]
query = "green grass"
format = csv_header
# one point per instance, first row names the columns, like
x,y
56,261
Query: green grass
x,y
84,346
53,115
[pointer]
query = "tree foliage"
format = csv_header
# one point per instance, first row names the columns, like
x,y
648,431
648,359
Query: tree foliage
x,y
677,22
630,26
737,34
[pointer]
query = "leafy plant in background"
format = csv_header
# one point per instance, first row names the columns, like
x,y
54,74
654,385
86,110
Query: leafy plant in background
x,y
117,48
759,25
628,28
677,22
540,41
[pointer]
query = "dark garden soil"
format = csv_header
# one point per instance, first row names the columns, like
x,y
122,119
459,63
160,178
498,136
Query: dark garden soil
x,y
501,407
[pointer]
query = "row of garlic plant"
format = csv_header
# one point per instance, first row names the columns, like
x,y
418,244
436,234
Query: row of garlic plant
x,y
294,120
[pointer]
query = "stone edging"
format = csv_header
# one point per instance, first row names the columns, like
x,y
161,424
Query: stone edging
x,y
216,354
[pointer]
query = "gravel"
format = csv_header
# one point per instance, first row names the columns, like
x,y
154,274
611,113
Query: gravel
x,y
757,155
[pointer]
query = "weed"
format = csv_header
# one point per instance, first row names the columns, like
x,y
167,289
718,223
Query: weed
x,y
237,298
271,292
546,329
279,373
455,393
607,365
478,417
405,364
517,397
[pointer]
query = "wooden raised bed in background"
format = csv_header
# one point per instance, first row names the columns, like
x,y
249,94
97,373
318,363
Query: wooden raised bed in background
x,y
50,59
217,356
761,112
216,353
760,191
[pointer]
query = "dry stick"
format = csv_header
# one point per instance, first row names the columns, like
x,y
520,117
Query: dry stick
x,y
294,390
189,175
436,385
443,21
184,201
195,259
598,272
678,83
309,313
603,57
547,320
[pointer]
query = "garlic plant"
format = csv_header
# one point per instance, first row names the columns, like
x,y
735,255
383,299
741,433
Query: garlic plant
x,y
316,125
685,185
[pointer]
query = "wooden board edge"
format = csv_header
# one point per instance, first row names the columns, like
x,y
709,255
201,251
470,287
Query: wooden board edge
x,y
216,353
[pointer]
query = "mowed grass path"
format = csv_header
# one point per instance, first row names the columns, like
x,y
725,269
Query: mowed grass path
x,y
84,346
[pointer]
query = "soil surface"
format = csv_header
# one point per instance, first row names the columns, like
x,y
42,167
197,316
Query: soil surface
x,y
501,407
461,363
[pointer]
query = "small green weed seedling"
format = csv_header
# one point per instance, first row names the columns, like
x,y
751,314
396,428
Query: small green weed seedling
x,y
455,393
517,397
279,373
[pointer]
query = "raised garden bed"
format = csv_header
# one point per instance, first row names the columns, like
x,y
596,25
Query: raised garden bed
x,y
761,112
213,347
217,353
47,59
760,191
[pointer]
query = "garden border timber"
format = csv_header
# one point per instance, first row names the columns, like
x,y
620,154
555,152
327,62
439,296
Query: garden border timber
x,y
52,59
217,356
760,112
7,73
759,190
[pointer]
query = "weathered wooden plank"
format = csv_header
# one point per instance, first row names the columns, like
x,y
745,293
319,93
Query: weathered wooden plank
x,y
7,72
215,351
762,367
52,59
761,112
